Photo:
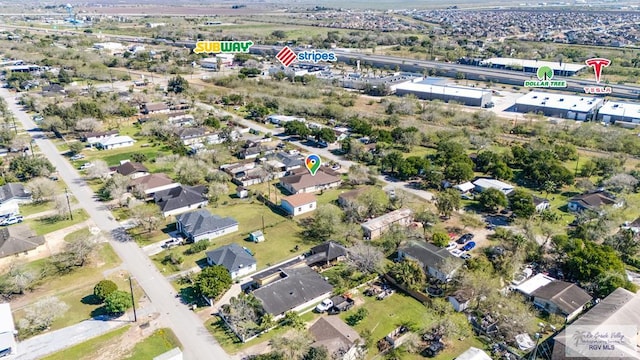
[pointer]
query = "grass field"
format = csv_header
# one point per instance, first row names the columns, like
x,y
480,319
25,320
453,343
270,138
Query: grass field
x,y
46,225
161,341
88,349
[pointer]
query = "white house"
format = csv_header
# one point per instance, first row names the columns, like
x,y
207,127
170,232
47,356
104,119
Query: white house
x,y
234,258
201,224
115,142
8,332
11,196
299,204
483,184
464,187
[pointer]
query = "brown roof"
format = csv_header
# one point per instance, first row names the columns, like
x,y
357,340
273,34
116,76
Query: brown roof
x,y
16,239
152,181
129,168
568,297
352,194
301,178
300,199
156,107
99,133
594,200
334,334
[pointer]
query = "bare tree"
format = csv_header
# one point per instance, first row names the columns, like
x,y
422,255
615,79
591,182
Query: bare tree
x,y
366,258
40,316
19,279
99,170
358,174
621,183
117,186
61,206
75,253
20,143
191,171
216,191
41,189
146,215
88,124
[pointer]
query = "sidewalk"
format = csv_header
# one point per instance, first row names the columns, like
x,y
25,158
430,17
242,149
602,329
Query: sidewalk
x,y
54,341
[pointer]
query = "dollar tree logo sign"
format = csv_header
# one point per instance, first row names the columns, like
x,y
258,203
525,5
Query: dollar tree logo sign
x,y
545,76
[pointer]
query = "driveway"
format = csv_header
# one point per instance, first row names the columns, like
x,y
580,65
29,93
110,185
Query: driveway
x,y
196,340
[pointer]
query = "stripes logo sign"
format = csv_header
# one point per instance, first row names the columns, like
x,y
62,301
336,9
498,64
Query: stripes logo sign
x,y
286,56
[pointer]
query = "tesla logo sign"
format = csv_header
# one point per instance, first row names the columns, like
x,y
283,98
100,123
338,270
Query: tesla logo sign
x,y
597,64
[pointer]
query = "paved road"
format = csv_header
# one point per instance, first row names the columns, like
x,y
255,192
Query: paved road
x,y
196,340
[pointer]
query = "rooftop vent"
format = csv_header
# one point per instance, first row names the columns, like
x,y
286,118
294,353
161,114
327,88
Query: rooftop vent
x,y
561,100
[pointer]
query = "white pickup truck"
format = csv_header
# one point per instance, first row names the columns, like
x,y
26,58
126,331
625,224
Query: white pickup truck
x,y
325,305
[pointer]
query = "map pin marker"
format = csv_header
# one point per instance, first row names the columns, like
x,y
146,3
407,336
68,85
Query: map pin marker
x,y
312,162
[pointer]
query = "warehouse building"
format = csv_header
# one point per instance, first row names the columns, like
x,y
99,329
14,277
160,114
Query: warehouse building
x,y
464,95
616,112
531,66
574,107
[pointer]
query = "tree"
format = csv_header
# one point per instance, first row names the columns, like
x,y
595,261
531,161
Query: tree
x,y
293,346
76,147
427,218
216,191
117,302
64,77
621,183
28,167
297,128
177,85
447,202
374,201
366,258
104,288
324,223
18,279
41,189
116,186
478,284
325,134
408,273
99,170
625,242
292,318
492,199
146,215
88,125
317,353
459,172
213,281
440,239
190,171
358,174
76,252
242,315
521,203
40,315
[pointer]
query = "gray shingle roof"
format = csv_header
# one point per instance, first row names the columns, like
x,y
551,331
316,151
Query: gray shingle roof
x,y
566,296
129,168
299,286
202,222
17,239
179,197
13,190
233,257
429,254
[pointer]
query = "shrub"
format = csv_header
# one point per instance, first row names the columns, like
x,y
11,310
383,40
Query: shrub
x,y
197,247
104,288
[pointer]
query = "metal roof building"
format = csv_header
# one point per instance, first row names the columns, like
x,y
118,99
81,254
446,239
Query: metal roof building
x,y
464,95
574,107
614,111
531,66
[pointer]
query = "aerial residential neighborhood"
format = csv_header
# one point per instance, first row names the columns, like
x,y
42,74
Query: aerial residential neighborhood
x,y
262,180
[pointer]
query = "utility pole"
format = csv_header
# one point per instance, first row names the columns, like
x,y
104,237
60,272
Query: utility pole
x,y
133,301
68,204
262,224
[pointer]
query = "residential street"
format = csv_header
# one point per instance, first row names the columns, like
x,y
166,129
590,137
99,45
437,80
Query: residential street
x,y
196,340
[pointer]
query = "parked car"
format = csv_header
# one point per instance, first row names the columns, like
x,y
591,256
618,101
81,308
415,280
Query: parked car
x,y
86,166
12,220
171,243
464,238
465,256
77,157
325,305
470,245
433,349
452,245
457,252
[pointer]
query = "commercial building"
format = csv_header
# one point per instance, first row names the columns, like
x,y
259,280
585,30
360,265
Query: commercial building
x,y
574,107
465,95
531,66
613,112
212,62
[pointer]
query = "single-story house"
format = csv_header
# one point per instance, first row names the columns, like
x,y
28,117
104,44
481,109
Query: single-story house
x,y
8,332
189,135
11,196
96,136
617,312
290,161
437,262
562,298
299,204
326,253
301,181
337,337
348,197
133,170
201,224
295,289
254,175
152,183
155,108
460,300
483,184
115,142
534,283
593,201
234,258
253,152
541,204
465,187
52,90
18,239
473,353
375,227
180,199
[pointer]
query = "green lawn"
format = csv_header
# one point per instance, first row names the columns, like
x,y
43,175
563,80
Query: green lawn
x,y
46,225
33,208
161,341
88,349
